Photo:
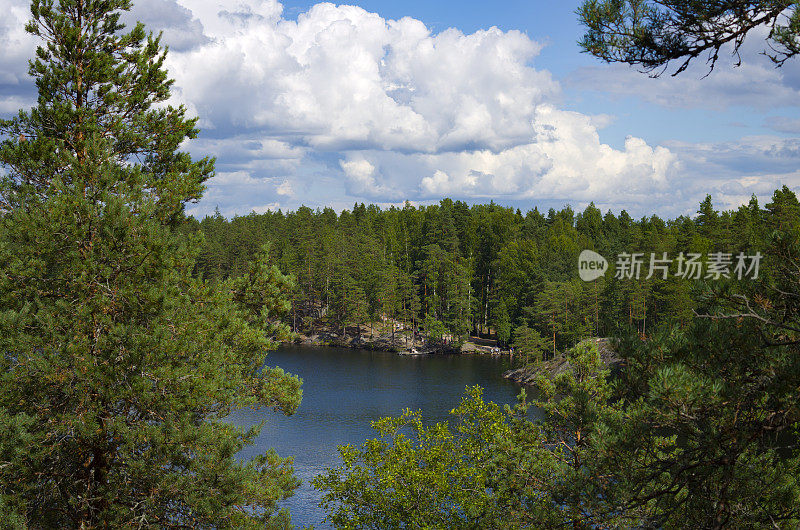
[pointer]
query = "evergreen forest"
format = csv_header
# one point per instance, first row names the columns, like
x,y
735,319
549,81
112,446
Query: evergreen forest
x,y
131,332
453,270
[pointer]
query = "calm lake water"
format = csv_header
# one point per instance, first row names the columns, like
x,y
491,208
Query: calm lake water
x,y
344,390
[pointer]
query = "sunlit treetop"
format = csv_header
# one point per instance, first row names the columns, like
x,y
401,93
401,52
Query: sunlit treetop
x,y
651,34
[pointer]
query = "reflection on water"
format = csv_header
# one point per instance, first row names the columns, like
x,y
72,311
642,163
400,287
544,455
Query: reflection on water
x,y
344,390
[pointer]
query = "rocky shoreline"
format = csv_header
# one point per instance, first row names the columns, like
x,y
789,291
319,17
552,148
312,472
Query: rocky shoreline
x,y
401,343
558,365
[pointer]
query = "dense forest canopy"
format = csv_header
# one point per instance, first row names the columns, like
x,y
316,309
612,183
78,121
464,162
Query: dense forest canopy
x,y
129,332
698,426
482,269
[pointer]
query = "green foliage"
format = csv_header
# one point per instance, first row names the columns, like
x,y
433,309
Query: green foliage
x,y
574,401
434,330
470,473
389,266
698,426
264,292
689,434
703,434
652,33
489,468
119,367
704,414
502,324
529,345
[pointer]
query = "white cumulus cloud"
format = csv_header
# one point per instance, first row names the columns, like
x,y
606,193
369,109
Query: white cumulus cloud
x,y
400,112
340,78
341,104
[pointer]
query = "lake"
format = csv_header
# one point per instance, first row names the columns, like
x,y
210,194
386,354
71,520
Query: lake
x,y
345,389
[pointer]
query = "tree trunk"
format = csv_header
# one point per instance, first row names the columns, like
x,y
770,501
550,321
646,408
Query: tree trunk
x,y
596,312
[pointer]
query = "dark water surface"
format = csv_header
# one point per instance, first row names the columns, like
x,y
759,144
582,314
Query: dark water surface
x,y
344,390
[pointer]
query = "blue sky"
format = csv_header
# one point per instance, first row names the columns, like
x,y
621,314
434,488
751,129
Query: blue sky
x,y
326,105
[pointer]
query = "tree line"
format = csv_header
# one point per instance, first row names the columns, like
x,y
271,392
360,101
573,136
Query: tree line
x,y
129,333
697,426
483,270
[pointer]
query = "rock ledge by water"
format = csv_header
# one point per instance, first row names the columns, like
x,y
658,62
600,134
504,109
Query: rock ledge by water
x,y
558,365
381,339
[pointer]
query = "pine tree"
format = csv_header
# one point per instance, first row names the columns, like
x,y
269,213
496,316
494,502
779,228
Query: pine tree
x,y
119,367
502,324
529,345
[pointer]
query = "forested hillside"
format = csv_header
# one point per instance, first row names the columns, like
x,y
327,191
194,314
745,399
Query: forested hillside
x,y
697,428
482,269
